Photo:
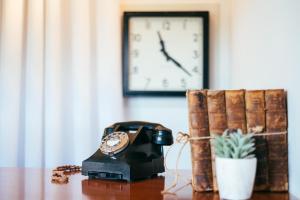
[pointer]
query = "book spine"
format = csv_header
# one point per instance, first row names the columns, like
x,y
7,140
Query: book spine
x,y
202,179
217,122
255,116
235,109
276,121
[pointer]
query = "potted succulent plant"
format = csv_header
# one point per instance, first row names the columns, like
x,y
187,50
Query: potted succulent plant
x,y
235,164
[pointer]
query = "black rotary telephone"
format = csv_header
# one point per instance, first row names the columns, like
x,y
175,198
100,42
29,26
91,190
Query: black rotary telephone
x,y
129,151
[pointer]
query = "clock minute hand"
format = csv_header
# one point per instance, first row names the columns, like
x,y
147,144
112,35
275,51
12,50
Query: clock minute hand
x,y
179,65
168,57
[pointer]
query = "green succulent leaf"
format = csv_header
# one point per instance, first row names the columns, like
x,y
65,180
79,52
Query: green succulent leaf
x,y
234,145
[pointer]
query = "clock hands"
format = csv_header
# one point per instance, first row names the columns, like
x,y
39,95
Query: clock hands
x,y
168,57
179,65
162,44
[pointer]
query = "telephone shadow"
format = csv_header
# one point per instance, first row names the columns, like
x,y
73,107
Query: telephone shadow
x,y
118,189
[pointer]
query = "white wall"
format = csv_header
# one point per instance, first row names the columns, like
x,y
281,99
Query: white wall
x,y
254,44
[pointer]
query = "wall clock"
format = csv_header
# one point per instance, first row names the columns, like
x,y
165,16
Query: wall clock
x,y
164,53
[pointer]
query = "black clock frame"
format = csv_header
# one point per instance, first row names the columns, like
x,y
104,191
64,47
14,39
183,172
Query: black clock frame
x,y
125,52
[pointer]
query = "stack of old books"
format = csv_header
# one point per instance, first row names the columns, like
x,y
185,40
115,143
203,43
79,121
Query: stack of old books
x,y
212,112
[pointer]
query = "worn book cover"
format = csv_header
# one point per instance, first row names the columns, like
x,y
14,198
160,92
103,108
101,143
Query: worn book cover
x,y
217,121
200,150
276,121
255,117
235,109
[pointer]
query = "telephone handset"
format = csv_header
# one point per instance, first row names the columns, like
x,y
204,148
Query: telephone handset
x,y
129,151
115,138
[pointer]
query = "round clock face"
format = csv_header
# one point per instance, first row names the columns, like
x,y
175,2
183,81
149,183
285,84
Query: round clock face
x,y
165,53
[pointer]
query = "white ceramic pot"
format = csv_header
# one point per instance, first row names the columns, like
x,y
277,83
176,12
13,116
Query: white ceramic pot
x,y
235,177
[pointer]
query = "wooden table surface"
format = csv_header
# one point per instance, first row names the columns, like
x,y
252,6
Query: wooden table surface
x,y
17,183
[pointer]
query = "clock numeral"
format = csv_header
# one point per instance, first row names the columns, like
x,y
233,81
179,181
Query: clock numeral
x,y
196,54
148,80
195,37
165,83
135,53
183,83
135,70
166,25
195,69
136,37
148,24
184,24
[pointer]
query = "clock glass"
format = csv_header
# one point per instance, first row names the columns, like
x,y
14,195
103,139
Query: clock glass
x,y
165,54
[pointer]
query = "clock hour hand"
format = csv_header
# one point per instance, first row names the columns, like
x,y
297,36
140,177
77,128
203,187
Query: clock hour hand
x,y
168,57
162,44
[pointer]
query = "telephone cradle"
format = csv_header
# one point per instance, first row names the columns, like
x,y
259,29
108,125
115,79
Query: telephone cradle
x,y
129,151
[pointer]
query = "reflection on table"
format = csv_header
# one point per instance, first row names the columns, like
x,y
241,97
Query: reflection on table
x,y
20,183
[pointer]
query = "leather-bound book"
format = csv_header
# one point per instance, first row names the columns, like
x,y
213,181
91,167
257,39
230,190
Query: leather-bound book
x,y
235,109
217,121
276,121
202,178
256,119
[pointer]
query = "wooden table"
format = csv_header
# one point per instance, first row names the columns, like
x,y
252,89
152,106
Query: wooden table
x,y
16,183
